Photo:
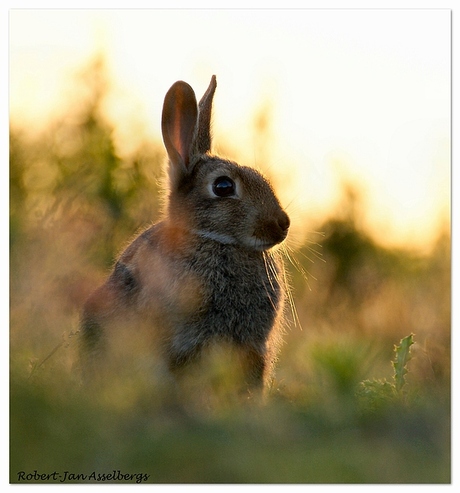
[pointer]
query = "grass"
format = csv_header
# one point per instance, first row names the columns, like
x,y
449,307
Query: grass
x,y
332,433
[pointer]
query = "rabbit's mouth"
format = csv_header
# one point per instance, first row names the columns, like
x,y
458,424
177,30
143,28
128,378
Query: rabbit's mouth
x,y
262,244
251,242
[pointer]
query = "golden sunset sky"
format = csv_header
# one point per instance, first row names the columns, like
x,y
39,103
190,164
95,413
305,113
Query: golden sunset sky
x,y
354,95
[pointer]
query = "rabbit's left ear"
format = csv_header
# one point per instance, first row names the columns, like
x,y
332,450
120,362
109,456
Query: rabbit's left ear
x,y
178,123
203,137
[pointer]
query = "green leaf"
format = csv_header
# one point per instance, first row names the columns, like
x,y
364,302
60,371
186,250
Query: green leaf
x,y
375,394
402,358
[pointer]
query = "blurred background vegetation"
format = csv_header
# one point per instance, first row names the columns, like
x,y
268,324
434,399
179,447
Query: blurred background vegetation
x,y
75,202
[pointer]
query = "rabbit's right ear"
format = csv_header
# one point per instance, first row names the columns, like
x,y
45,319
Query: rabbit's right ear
x,y
203,138
178,124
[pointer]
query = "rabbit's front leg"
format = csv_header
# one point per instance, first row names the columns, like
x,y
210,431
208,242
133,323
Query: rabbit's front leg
x,y
256,367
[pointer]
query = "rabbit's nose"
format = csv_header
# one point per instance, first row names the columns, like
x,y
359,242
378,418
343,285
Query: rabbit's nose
x,y
272,229
284,222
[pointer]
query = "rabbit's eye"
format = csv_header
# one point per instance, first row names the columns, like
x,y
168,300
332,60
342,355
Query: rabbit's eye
x,y
223,187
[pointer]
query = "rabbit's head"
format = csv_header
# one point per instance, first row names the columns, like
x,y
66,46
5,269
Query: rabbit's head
x,y
209,196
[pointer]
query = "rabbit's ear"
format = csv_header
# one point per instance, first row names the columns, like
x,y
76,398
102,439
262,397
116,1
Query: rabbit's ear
x,y
178,123
203,138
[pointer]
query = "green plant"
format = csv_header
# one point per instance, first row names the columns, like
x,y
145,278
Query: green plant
x,y
374,393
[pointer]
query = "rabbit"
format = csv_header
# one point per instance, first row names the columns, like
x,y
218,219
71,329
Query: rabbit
x,y
207,272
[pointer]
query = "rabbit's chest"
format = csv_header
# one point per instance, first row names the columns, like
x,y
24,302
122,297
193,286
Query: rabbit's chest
x,y
243,294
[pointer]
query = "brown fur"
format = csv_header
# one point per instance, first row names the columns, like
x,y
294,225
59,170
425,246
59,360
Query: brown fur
x,y
207,272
